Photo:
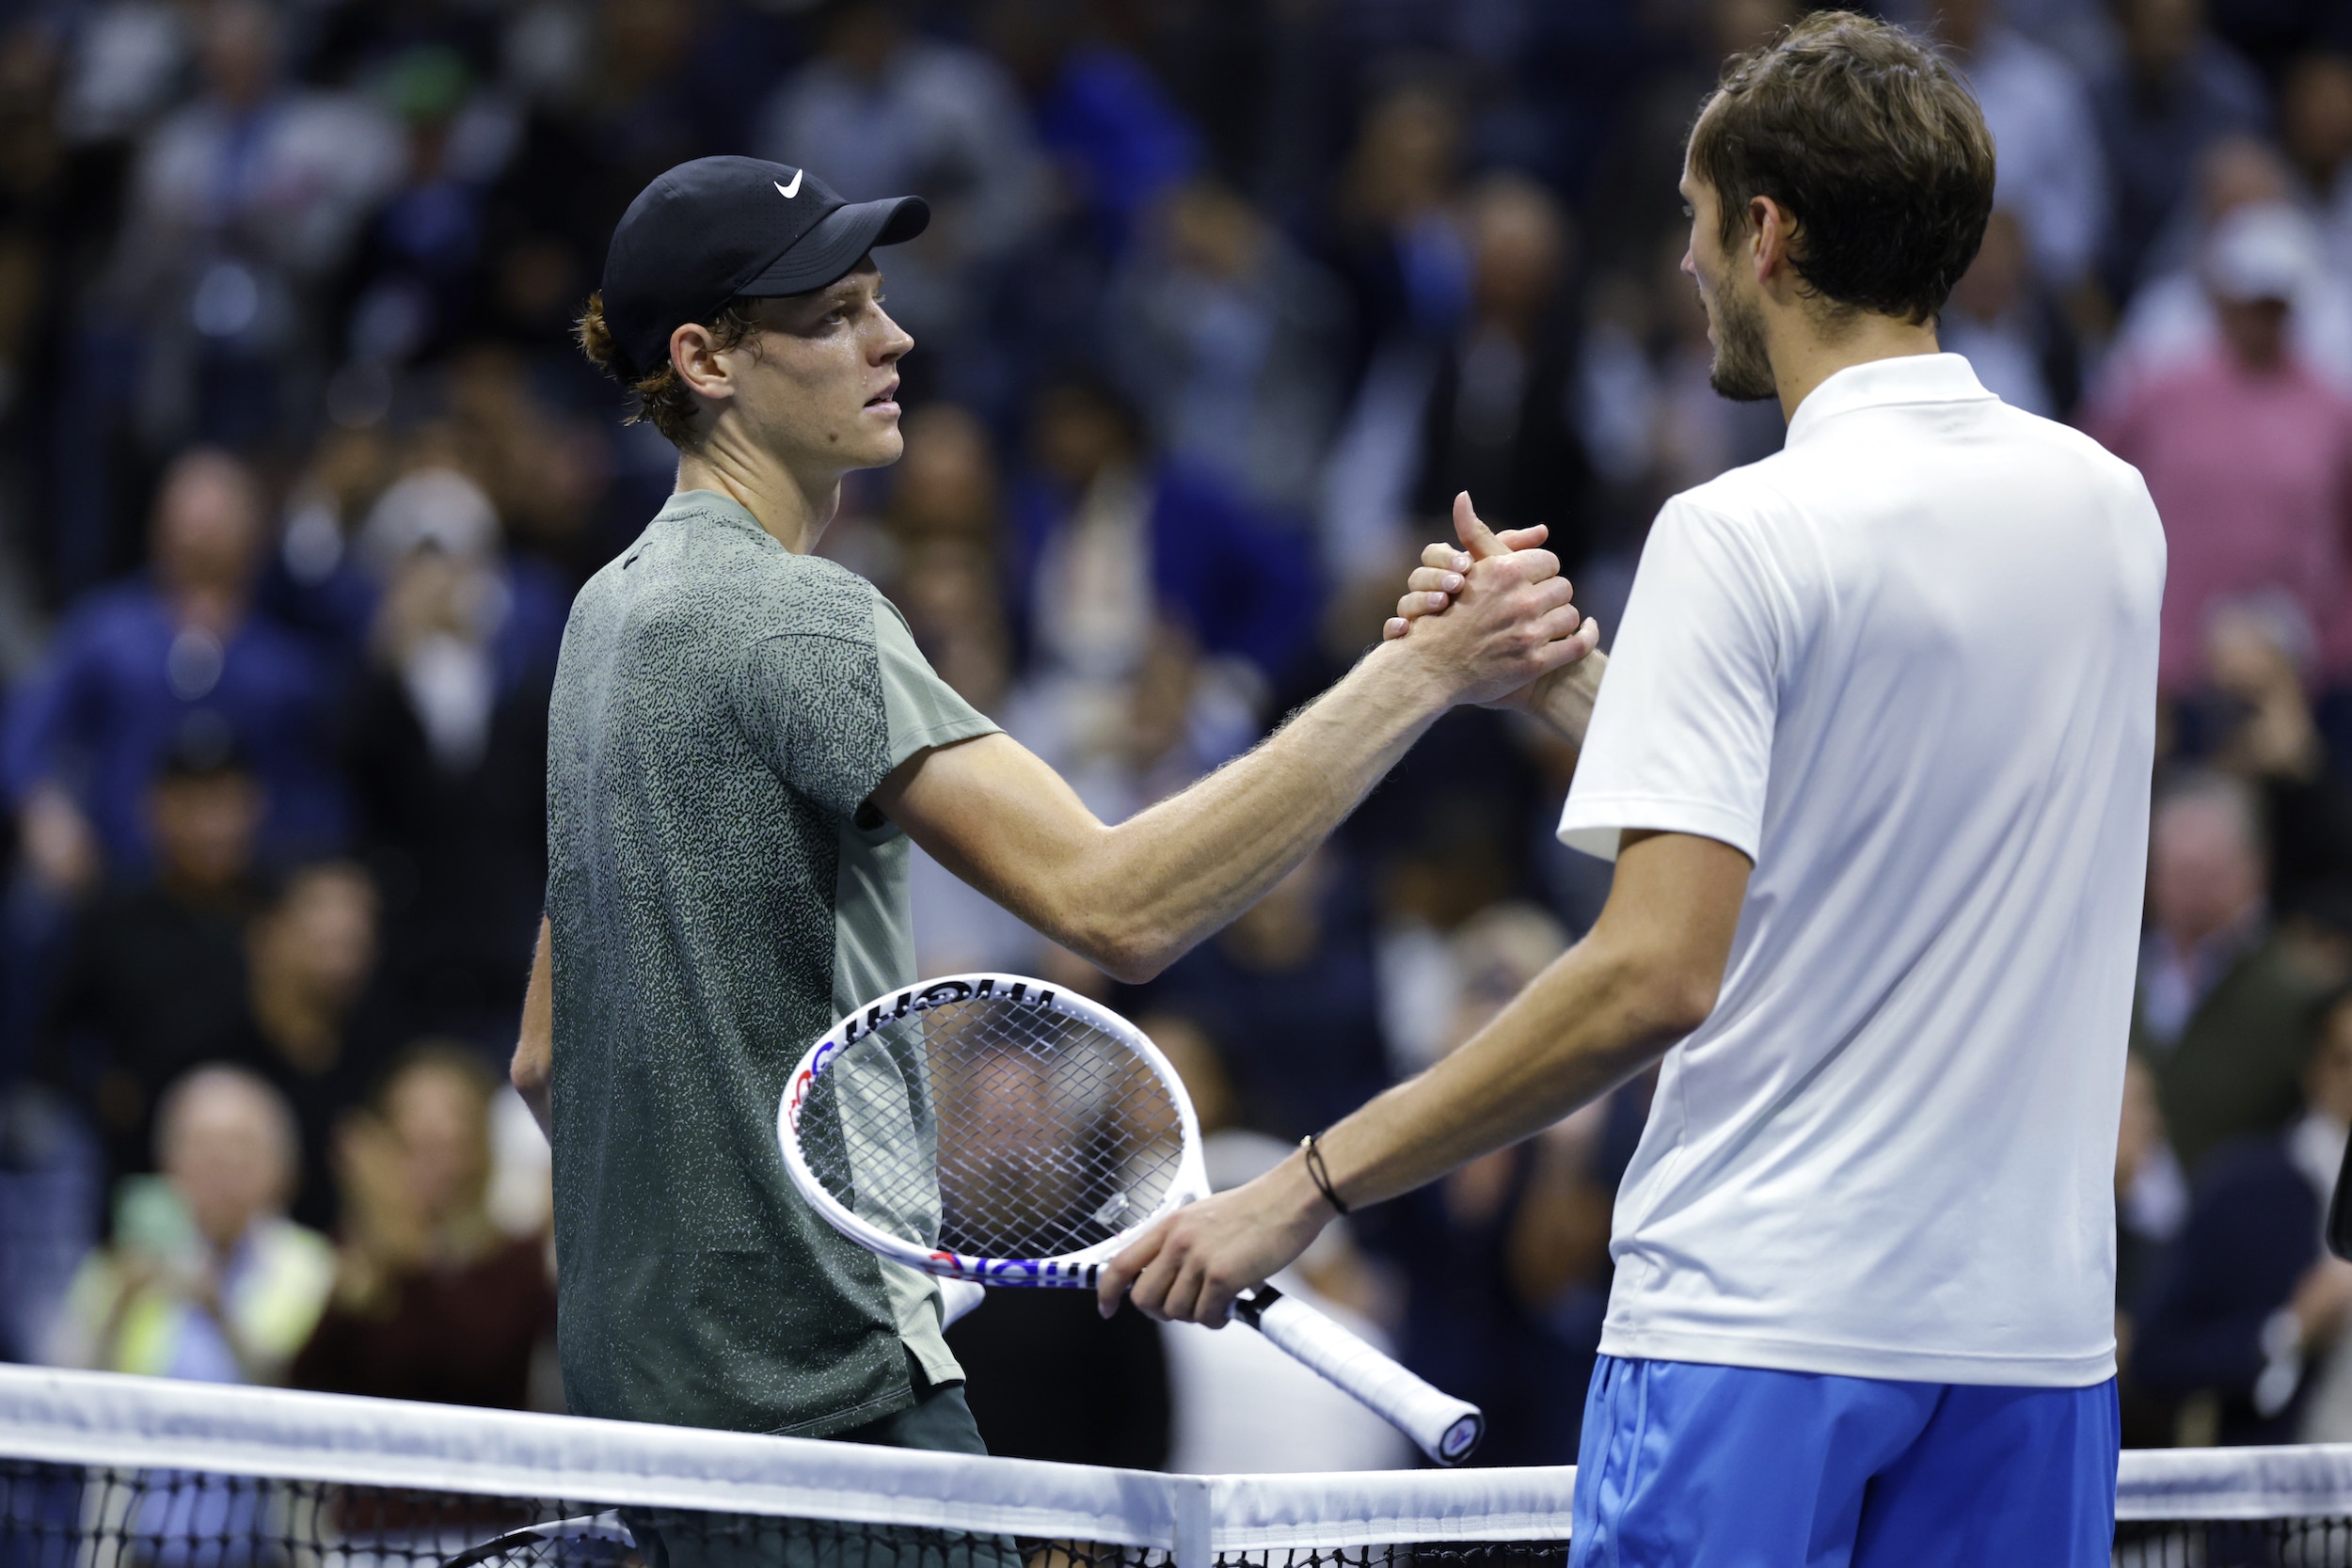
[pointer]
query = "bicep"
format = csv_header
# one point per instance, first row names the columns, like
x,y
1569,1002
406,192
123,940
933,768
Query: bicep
x,y
1675,901
991,812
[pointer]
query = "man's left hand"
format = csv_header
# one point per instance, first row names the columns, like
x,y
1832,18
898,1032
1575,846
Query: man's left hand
x,y
1190,1266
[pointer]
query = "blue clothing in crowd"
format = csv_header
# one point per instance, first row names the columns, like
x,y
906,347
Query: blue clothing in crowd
x,y
1200,534
2253,1233
119,680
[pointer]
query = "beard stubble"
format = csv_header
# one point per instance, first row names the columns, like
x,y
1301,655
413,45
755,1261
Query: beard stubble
x,y
1741,370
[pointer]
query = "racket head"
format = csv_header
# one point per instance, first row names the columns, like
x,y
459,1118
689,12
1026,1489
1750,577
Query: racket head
x,y
990,1127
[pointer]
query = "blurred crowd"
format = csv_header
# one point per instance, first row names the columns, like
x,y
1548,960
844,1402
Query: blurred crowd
x,y
299,469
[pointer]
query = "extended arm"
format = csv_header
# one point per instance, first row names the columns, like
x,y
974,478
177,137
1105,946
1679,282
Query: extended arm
x,y
534,1046
1646,975
1135,897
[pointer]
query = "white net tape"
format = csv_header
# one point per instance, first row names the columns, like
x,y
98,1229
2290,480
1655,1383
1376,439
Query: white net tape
x,y
100,1419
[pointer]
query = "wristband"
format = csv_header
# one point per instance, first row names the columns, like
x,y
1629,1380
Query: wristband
x,y
1318,1175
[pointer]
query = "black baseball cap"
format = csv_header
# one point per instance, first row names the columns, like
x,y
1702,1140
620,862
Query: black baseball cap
x,y
718,228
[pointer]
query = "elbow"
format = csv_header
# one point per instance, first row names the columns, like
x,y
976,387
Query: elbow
x,y
1130,951
527,1073
1671,999
1131,958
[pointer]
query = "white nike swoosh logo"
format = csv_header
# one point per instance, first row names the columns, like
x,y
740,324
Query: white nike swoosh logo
x,y
793,189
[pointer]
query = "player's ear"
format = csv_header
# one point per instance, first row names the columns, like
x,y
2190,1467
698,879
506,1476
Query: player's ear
x,y
695,355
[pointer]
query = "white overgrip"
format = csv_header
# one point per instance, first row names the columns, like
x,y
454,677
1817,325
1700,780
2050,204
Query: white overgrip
x,y
1444,1428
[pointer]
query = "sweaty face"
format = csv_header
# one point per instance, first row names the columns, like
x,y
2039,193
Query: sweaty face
x,y
1742,369
819,382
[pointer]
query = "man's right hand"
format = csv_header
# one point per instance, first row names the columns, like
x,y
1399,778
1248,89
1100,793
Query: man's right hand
x,y
1512,623
1563,696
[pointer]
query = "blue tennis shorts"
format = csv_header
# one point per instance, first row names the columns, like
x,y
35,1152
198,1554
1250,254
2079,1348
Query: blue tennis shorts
x,y
1685,1465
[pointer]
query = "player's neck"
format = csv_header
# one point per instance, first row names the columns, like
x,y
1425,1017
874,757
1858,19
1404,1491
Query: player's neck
x,y
792,505
1804,354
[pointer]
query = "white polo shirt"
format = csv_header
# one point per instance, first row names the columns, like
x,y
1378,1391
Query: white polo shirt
x,y
1907,666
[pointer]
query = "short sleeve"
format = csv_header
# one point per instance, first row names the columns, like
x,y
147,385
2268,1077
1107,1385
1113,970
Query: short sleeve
x,y
834,714
923,710
1682,735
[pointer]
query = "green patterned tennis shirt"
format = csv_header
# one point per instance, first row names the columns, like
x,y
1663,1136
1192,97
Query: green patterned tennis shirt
x,y
720,891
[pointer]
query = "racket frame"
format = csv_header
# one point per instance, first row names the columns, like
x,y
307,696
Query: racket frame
x,y
1073,1270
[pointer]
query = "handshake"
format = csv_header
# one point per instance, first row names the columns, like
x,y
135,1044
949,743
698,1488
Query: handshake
x,y
1495,621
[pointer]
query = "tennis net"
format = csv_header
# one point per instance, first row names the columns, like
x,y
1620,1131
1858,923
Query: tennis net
x,y
99,1471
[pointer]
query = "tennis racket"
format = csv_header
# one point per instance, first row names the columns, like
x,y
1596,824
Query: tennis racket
x,y
995,1128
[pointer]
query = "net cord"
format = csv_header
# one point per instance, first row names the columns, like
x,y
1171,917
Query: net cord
x,y
105,1418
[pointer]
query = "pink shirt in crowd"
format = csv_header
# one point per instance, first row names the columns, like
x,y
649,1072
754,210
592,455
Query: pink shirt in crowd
x,y
2251,473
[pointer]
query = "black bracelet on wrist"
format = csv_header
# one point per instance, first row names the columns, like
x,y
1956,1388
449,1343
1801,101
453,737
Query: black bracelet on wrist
x,y
1320,1177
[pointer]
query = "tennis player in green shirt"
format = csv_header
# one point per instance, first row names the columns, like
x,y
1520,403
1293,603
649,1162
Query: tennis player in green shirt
x,y
743,738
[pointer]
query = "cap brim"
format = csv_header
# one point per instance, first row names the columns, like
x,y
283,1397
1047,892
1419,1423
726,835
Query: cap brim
x,y
837,243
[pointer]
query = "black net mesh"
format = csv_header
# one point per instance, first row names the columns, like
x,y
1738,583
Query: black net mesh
x,y
81,1516
992,1130
2321,1542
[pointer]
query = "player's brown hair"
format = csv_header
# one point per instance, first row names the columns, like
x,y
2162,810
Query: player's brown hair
x,y
661,395
1873,144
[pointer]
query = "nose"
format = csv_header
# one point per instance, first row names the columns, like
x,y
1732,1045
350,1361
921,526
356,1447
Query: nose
x,y
894,342
1690,264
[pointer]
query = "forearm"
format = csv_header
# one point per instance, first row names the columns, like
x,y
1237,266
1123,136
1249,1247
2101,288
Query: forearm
x,y
1134,897
1172,875
1586,1024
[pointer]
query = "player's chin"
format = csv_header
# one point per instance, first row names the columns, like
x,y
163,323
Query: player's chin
x,y
880,441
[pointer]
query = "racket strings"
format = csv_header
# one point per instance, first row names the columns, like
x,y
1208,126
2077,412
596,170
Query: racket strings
x,y
993,1131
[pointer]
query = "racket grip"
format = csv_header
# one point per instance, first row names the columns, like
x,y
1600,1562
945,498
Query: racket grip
x,y
1444,1428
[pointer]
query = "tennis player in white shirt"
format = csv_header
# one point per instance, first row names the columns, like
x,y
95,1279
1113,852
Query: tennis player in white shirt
x,y
1873,759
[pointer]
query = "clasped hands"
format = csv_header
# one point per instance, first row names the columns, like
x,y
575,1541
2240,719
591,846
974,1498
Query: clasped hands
x,y
1533,633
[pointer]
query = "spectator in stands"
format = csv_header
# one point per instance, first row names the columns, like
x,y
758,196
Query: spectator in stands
x,y
1101,116
448,757
2036,105
2252,1309
1397,237
310,1031
2315,126
1393,221
206,1278
244,203
2247,453
411,280
2172,320
1502,417
431,1301
2175,89
154,976
2259,725
2224,1006
1106,534
2010,329
1231,340
131,664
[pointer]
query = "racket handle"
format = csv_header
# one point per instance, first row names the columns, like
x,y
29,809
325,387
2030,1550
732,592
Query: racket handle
x,y
1444,1428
